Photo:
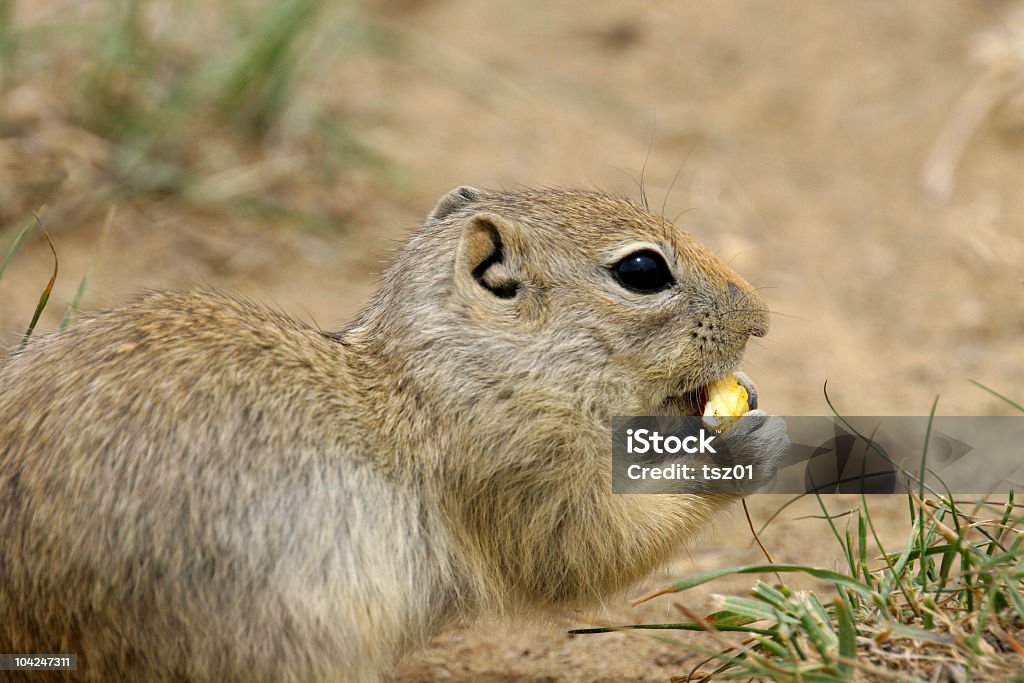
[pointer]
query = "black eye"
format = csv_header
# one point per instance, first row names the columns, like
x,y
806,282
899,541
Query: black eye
x,y
643,272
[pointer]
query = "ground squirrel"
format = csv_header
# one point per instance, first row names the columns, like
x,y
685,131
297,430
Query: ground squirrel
x,y
197,488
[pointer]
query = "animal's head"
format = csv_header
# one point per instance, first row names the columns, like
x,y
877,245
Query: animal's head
x,y
586,293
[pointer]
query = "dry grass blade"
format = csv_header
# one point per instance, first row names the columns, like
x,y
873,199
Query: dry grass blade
x,y
45,296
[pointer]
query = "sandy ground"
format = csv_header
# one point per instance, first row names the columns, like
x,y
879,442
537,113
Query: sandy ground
x,y
799,132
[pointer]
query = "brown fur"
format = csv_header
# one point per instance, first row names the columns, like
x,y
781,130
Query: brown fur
x,y
193,487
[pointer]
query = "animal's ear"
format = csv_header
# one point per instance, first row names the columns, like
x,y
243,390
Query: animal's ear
x,y
489,256
454,200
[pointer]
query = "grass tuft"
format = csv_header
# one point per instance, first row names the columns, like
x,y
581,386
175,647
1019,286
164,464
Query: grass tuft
x,y
213,107
946,606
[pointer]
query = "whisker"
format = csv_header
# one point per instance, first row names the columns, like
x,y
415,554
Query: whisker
x,y
774,352
734,257
643,170
771,311
668,193
628,175
684,211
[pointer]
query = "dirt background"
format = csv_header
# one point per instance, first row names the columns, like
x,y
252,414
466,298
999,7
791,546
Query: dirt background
x,y
799,132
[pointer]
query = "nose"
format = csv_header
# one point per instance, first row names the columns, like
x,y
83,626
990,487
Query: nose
x,y
747,309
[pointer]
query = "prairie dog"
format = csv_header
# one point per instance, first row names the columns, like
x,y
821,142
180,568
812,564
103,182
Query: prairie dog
x,y
197,488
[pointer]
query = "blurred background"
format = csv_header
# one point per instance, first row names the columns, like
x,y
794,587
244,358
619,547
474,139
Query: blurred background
x,y
861,162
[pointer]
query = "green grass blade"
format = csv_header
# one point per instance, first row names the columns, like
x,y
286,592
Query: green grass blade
x,y
256,82
1015,598
847,550
922,547
756,609
847,636
870,442
998,395
770,594
79,293
826,574
814,604
778,512
17,243
862,547
681,626
817,625
772,646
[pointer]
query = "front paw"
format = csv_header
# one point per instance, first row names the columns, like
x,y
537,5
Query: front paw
x,y
757,442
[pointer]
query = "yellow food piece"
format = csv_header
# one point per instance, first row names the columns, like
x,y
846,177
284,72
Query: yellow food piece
x,y
727,400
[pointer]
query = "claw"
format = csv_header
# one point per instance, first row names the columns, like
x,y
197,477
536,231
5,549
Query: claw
x,y
744,381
